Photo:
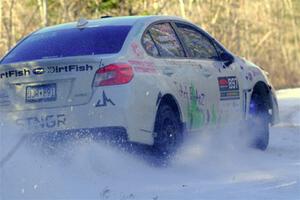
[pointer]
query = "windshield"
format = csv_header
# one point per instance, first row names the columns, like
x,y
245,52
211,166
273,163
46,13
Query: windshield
x,y
69,42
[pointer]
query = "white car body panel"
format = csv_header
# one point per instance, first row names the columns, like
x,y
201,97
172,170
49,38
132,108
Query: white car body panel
x,y
133,105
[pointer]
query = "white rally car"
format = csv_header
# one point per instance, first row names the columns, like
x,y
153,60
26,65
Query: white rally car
x,y
144,79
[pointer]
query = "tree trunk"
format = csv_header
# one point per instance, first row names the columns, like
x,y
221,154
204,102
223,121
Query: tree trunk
x,y
43,12
1,19
182,8
10,25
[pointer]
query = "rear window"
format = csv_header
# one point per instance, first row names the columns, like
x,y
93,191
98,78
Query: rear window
x,y
166,40
69,42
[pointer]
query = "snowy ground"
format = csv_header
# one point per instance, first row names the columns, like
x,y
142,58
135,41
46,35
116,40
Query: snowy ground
x,y
205,168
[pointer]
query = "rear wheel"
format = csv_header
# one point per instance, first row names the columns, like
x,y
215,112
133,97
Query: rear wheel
x,y
258,123
168,128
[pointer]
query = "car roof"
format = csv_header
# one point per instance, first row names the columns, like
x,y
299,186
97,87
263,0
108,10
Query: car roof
x,y
112,21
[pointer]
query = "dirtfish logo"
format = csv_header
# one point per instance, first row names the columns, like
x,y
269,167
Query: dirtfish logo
x,y
38,71
42,70
15,73
69,68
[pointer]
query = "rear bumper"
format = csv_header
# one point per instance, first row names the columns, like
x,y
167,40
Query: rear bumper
x,y
67,119
115,135
118,112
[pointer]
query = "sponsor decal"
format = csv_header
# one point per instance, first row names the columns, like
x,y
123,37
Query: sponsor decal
x,y
249,76
191,93
256,72
137,51
143,66
69,68
42,70
40,122
15,73
229,88
38,71
105,101
183,91
198,114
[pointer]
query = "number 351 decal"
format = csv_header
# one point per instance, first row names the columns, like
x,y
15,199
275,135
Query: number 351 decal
x,y
229,88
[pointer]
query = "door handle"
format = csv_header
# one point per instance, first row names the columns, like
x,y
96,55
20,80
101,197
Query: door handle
x,y
206,73
168,71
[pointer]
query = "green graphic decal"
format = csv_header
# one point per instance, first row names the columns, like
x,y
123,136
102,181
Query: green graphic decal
x,y
213,115
195,114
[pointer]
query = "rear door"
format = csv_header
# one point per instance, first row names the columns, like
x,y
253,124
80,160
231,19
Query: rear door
x,y
204,102
176,74
167,55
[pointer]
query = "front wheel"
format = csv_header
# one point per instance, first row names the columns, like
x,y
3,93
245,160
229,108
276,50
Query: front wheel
x,y
258,122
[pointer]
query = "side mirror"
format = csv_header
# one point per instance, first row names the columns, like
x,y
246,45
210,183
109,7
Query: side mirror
x,y
227,58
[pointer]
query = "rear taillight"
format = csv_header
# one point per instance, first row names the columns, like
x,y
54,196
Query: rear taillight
x,y
113,74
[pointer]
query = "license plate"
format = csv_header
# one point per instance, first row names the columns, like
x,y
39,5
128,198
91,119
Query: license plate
x,y
41,93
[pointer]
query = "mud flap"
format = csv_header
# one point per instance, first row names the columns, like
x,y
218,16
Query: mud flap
x,y
246,102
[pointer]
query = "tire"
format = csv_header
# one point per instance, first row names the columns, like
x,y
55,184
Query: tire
x,y
258,123
168,128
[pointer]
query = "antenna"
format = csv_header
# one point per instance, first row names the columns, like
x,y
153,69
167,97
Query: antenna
x,y
82,22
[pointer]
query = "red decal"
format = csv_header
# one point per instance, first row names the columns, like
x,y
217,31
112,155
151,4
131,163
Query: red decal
x,y
136,50
223,82
143,66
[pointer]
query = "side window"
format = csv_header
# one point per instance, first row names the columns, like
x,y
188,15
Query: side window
x,y
219,49
149,44
166,40
199,45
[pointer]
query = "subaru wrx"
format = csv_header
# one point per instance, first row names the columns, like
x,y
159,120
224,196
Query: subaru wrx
x,y
145,79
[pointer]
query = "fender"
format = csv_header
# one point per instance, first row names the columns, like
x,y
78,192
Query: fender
x,y
272,100
172,101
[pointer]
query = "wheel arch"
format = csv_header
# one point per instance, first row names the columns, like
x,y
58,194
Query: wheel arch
x,y
264,90
170,100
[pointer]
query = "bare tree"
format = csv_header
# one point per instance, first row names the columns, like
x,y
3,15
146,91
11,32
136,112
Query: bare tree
x,y
1,18
43,12
182,8
8,25
264,31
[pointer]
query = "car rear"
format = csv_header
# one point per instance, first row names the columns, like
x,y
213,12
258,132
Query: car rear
x,y
54,80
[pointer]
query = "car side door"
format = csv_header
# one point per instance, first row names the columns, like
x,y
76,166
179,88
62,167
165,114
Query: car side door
x,y
202,55
165,50
230,84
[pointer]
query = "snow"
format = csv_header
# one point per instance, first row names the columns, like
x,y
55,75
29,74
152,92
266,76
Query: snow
x,y
206,167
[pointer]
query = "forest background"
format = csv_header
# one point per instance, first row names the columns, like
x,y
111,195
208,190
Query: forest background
x,y
267,32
